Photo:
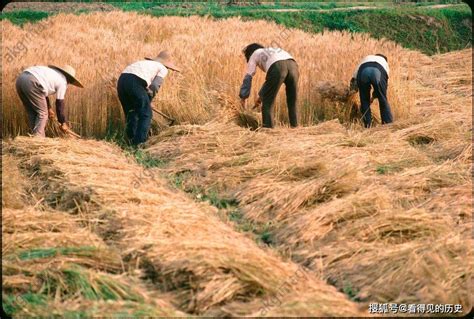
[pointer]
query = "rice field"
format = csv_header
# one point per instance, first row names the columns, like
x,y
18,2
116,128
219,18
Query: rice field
x,y
210,55
322,220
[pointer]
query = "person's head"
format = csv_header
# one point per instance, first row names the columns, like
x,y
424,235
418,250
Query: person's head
x,y
164,57
383,56
250,49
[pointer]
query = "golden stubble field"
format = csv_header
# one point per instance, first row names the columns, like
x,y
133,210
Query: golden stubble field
x,y
350,216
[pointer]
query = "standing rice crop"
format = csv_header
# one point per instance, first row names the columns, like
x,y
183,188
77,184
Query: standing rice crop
x,y
103,44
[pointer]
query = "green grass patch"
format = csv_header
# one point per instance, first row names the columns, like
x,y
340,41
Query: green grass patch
x,y
78,281
116,135
350,291
43,306
146,160
215,200
178,179
387,169
398,166
53,252
24,16
428,30
15,303
228,208
415,27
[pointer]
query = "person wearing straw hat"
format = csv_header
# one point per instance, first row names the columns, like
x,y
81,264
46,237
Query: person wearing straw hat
x,y
280,68
34,86
372,71
136,87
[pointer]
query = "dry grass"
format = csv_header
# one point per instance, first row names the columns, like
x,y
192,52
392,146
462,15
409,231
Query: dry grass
x,y
13,194
102,49
182,247
366,210
382,214
52,264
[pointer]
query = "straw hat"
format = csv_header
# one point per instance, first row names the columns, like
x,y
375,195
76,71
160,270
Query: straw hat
x,y
165,59
70,74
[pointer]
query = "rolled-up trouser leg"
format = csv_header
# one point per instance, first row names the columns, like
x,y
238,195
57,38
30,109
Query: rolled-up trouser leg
x,y
363,82
273,81
291,86
34,100
380,90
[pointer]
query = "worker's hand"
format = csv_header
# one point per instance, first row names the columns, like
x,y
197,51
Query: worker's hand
x,y
243,102
65,127
353,85
50,114
151,93
373,97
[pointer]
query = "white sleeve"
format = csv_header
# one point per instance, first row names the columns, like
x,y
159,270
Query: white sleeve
x,y
61,91
162,72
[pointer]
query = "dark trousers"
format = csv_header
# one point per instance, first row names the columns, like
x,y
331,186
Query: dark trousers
x,y
367,77
136,106
280,72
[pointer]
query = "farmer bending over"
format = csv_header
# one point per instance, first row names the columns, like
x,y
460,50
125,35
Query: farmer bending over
x,y
373,71
34,86
281,68
136,87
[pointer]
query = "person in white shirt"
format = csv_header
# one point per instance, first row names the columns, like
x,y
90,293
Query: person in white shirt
x,y
136,87
373,71
281,68
34,86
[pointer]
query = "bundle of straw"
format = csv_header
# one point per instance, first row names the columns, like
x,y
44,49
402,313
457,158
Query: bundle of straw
x,y
338,92
247,119
54,127
334,91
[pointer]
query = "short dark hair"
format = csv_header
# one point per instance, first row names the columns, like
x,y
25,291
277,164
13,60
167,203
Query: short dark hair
x,y
383,56
250,49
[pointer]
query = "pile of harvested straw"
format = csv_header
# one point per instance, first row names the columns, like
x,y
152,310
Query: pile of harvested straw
x,y
52,264
364,209
181,246
318,200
